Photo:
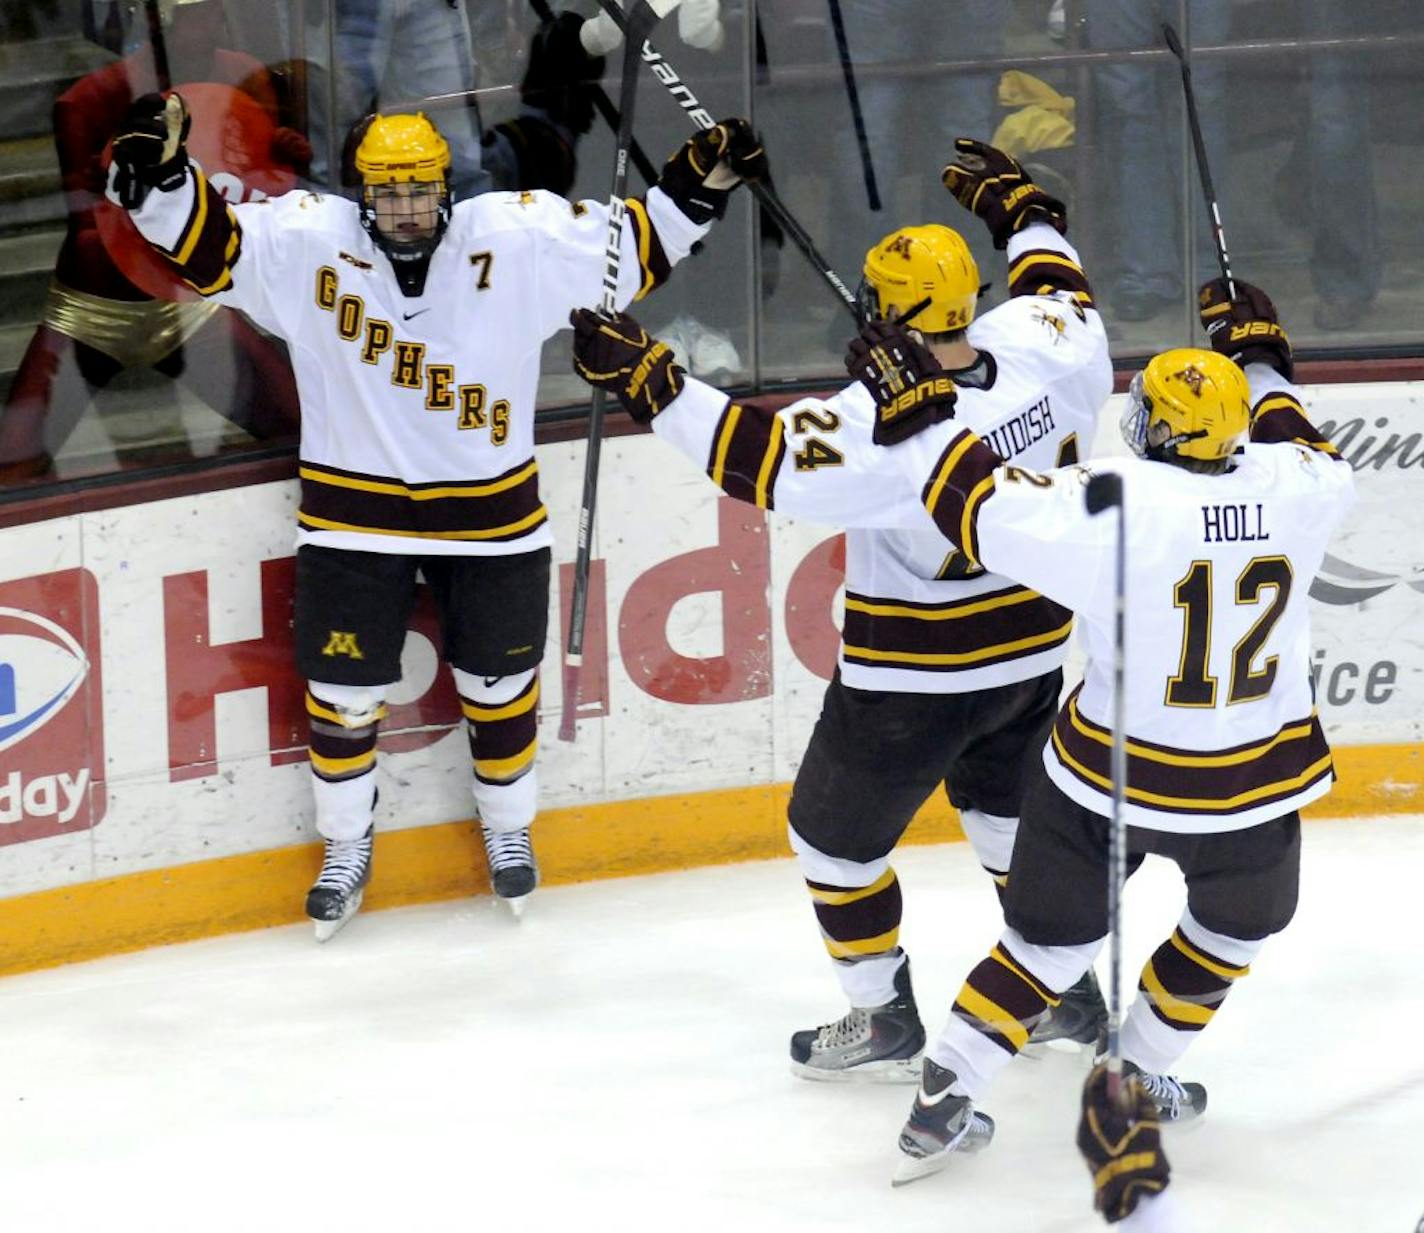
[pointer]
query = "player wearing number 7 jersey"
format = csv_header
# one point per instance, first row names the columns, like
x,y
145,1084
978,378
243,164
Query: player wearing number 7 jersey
x,y
415,327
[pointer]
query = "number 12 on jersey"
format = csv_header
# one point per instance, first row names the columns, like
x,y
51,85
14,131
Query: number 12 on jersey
x,y
1193,685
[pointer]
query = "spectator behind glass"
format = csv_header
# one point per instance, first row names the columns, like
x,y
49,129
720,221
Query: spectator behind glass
x,y
392,55
1332,163
97,323
1138,110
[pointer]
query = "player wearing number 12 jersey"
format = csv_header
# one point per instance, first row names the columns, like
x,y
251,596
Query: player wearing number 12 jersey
x,y
415,329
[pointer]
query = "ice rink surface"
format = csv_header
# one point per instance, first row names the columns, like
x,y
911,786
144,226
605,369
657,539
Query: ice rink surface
x,y
617,1061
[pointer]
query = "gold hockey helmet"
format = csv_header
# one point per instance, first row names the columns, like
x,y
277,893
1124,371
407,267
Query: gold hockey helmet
x,y
916,264
1187,403
402,150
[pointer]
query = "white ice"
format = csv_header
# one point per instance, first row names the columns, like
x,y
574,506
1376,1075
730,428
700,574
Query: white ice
x,y
617,1060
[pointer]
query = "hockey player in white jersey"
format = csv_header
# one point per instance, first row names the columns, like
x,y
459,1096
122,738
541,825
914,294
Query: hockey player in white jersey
x,y
415,331
949,674
1223,742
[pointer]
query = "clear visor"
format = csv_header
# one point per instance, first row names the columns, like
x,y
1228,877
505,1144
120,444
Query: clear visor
x,y
1134,418
407,213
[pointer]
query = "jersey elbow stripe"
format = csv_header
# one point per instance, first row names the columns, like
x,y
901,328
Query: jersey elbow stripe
x,y
505,507
1041,271
1186,781
960,635
652,260
210,244
1279,417
747,449
961,481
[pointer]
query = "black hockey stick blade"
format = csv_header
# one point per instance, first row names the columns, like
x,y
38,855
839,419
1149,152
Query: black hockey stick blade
x,y
1174,45
1104,491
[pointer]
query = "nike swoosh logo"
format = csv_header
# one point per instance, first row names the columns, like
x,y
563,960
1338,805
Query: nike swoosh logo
x,y
416,313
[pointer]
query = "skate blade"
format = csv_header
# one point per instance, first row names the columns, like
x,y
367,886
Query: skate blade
x,y
327,929
894,1070
912,1168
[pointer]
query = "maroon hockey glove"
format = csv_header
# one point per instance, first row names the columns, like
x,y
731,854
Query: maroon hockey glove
x,y
148,148
907,383
1122,1148
616,354
1246,329
702,174
291,149
994,186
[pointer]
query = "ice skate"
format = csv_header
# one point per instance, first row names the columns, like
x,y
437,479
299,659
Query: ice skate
x,y
514,873
336,894
1078,1019
940,1124
1176,1101
878,1044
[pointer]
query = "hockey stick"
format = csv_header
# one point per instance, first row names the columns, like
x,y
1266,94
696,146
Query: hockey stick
x,y
1105,492
700,118
1174,45
159,45
644,16
872,191
606,109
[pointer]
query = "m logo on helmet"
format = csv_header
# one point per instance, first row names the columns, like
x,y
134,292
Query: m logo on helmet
x,y
900,246
1193,378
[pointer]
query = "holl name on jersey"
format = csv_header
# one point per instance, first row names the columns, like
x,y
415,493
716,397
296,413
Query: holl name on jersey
x,y
1229,523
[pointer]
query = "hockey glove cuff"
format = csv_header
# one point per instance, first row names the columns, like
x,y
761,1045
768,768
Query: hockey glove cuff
x,y
148,149
702,174
1122,1148
1246,329
618,355
909,387
995,186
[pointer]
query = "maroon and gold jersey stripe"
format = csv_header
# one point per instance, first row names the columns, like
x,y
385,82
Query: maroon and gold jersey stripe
x,y
1220,781
502,508
1041,271
652,260
1280,417
962,480
956,636
210,242
747,450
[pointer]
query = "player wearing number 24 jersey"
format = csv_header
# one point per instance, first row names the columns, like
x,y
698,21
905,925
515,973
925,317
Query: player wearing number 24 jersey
x,y
1223,742
949,672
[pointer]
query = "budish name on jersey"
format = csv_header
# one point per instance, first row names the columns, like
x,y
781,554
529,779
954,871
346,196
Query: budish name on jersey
x,y
375,338
1027,427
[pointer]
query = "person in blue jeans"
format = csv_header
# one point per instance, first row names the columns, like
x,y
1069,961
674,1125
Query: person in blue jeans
x,y
1138,109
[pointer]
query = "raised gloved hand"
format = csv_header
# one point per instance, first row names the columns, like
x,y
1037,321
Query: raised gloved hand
x,y
148,148
909,387
618,355
561,75
1122,1148
995,186
701,175
1246,329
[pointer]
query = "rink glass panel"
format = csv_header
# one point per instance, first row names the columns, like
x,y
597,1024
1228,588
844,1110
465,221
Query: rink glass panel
x,y
1312,111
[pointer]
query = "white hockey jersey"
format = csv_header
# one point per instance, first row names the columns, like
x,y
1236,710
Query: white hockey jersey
x,y
417,413
920,617
1221,726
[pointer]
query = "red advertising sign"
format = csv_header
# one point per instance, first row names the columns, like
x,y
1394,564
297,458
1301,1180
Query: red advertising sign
x,y
51,713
